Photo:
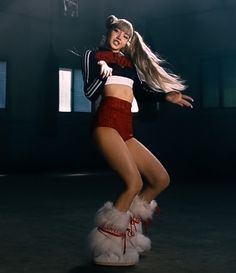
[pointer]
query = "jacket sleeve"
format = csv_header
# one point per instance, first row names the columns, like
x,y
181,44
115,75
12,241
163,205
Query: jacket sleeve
x,y
143,92
93,82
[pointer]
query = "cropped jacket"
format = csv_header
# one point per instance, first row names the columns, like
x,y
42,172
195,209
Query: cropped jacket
x,y
121,66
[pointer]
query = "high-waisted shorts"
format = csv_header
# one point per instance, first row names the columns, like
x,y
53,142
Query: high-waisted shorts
x,y
115,113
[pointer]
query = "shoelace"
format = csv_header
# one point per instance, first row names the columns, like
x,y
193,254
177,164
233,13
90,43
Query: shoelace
x,y
118,233
133,222
115,233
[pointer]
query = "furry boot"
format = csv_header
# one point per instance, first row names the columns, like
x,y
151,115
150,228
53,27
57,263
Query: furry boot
x,y
141,212
108,241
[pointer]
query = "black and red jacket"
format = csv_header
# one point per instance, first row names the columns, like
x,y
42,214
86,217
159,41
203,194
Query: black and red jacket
x,y
122,66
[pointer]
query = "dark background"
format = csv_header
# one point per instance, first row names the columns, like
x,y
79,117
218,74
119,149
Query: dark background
x,y
35,38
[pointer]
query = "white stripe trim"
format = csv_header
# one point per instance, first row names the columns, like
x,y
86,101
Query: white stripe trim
x,y
94,88
87,56
92,85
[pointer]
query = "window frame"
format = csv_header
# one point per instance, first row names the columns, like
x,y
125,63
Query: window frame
x,y
3,60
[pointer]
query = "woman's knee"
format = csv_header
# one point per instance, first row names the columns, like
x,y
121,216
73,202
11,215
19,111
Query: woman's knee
x,y
166,180
162,180
135,187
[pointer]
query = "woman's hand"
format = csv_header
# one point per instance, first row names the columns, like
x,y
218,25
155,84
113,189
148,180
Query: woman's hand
x,y
180,99
106,70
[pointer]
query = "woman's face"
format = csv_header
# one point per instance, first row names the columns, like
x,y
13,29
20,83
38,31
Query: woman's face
x,y
118,39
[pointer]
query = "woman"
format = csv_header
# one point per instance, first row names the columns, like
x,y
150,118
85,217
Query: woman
x,y
125,67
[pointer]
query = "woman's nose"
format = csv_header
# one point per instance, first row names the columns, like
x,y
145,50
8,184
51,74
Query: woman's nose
x,y
118,35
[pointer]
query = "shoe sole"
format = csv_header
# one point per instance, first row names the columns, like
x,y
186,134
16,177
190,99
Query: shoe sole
x,y
114,264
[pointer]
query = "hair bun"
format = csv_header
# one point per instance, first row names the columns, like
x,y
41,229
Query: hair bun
x,y
110,20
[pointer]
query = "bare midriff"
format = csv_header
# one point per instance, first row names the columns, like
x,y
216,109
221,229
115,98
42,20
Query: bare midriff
x,y
120,91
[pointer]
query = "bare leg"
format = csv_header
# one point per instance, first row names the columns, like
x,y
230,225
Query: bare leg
x,y
150,167
121,160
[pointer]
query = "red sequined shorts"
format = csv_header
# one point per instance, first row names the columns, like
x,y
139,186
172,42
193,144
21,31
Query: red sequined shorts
x,y
115,113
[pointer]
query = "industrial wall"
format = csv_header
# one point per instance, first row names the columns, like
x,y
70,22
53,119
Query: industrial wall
x,y
35,38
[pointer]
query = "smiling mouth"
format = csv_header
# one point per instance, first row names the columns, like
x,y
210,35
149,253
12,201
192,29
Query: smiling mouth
x,y
116,43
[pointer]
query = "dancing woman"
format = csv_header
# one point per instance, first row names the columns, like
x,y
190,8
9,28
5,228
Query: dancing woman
x,y
124,68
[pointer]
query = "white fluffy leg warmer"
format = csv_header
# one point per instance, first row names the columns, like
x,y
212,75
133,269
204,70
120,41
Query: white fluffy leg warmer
x,y
141,211
142,208
108,240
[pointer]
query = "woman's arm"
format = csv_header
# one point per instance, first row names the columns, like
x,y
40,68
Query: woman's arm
x,y
143,92
179,99
93,81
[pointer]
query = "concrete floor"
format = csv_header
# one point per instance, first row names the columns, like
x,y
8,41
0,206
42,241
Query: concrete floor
x,y
45,220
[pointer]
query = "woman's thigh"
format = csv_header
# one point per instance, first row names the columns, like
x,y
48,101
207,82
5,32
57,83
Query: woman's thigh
x,y
117,154
148,165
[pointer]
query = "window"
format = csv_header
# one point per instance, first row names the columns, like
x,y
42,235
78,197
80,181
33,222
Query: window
x,y
219,83
3,79
134,108
71,94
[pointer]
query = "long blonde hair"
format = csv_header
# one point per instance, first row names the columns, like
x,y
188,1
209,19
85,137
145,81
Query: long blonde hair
x,y
147,63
